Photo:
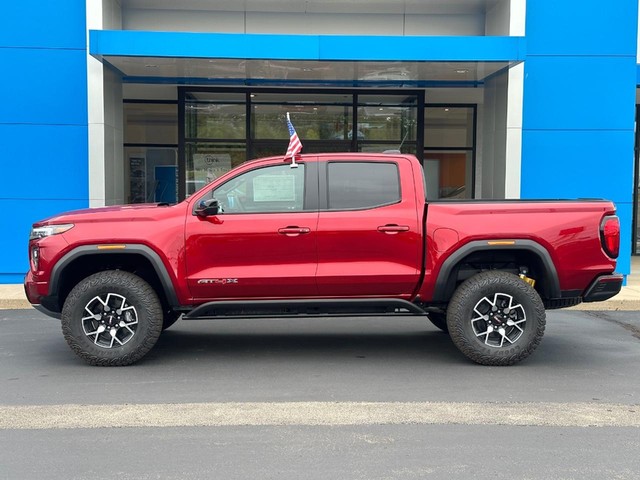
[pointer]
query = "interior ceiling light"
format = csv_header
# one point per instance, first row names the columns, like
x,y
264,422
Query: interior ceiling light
x,y
462,71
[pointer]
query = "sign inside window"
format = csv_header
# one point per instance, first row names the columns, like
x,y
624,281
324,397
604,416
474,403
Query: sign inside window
x,y
274,188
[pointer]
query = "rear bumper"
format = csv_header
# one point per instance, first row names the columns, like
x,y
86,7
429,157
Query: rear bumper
x,y
603,288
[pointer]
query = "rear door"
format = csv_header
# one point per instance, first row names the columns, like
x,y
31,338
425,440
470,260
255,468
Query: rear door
x,y
263,245
369,241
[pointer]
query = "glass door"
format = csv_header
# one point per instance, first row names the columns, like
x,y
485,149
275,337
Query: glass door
x,y
222,128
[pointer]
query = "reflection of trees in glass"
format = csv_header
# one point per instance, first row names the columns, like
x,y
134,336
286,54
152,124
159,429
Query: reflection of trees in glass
x,y
216,121
387,122
311,122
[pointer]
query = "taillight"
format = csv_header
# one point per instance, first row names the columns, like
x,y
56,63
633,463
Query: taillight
x,y
610,235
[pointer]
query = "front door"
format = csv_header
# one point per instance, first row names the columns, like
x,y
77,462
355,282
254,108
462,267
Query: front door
x,y
263,244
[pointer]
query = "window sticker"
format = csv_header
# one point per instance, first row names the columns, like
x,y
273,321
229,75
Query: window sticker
x,y
274,188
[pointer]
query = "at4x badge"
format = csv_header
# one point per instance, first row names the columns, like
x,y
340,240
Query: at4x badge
x,y
218,281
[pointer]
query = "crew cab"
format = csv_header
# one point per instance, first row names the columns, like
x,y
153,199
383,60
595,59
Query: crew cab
x,y
323,234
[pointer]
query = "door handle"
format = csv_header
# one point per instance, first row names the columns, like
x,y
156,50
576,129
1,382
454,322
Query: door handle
x,y
293,231
392,228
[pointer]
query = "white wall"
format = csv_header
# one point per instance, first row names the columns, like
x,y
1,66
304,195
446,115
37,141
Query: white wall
x,y
497,18
495,137
312,23
502,134
104,89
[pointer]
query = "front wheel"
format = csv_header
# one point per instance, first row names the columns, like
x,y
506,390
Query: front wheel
x,y
112,318
495,318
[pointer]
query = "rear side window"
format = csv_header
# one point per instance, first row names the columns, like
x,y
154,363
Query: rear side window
x,y
360,185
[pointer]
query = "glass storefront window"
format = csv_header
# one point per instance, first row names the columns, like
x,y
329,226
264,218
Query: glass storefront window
x,y
209,120
387,119
315,117
448,127
150,123
151,174
274,148
449,142
207,161
448,174
381,147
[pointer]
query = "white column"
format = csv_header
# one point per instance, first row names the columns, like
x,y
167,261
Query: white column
x,y
514,106
104,91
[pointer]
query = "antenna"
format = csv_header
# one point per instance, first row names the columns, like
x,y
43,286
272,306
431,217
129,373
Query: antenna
x,y
403,139
394,151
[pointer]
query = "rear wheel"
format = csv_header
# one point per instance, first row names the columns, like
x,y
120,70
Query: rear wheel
x,y
112,318
495,318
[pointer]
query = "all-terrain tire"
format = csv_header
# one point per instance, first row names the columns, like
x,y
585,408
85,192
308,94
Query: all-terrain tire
x,y
112,318
495,318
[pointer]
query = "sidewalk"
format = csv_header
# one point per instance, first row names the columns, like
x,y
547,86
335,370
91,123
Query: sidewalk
x,y
12,296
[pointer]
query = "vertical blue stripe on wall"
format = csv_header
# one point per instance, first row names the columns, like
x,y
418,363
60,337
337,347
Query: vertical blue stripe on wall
x,y
43,120
579,104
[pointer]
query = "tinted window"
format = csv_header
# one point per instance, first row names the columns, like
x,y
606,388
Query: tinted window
x,y
264,190
362,185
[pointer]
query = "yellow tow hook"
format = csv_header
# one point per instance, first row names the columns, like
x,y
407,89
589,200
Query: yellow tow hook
x,y
523,276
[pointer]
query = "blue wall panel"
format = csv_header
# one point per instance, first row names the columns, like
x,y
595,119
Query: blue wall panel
x,y
585,27
14,265
43,119
578,163
579,92
46,86
579,99
45,162
37,23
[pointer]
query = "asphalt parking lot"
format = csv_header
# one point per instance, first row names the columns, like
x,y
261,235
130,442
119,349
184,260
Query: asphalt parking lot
x,y
322,398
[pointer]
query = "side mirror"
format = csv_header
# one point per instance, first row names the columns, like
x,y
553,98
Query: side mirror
x,y
208,208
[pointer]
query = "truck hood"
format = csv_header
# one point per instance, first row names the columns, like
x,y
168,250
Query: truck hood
x,y
114,213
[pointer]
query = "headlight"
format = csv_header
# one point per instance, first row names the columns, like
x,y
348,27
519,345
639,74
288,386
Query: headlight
x,y
41,232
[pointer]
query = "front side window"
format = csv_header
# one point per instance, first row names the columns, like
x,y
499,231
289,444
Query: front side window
x,y
359,185
274,189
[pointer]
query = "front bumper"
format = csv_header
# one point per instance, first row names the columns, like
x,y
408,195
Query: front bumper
x,y
38,295
603,288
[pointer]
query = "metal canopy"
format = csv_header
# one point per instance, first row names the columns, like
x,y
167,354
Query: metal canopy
x,y
301,72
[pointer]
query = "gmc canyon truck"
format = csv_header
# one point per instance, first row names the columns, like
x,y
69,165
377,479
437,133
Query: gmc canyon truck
x,y
341,234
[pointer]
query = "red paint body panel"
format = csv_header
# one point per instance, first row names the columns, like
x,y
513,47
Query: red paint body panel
x,y
363,253
249,248
569,231
340,253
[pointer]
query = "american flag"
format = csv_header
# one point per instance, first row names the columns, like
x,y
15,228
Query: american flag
x,y
295,146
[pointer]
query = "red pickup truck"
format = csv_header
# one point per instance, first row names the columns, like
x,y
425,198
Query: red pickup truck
x,y
331,234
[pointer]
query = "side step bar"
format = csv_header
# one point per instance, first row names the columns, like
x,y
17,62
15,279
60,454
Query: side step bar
x,y
303,308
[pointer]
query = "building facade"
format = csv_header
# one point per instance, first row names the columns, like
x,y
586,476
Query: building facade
x,y
127,101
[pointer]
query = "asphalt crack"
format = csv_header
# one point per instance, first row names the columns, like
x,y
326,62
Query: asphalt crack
x,y
635,331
